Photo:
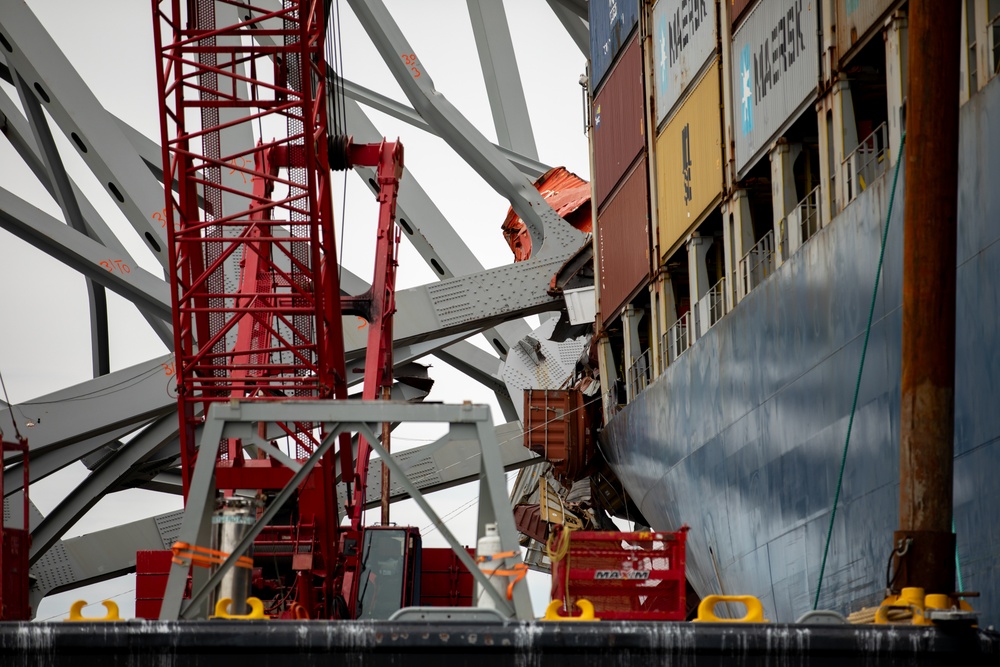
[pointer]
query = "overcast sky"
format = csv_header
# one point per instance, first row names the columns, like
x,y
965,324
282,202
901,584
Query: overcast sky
x,y
44,343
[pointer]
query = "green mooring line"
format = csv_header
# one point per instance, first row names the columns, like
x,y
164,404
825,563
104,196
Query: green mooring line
x,y
861,368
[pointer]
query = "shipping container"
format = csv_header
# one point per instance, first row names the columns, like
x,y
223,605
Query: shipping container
x,y
619,122
623,241
775,56
557,428
737,9
689,174
684,39
855,18
611,23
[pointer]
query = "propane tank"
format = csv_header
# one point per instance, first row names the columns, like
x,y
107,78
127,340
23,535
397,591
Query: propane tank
x,y
232,519
489,545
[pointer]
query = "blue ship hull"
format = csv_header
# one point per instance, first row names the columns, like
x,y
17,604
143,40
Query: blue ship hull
x,y
742,436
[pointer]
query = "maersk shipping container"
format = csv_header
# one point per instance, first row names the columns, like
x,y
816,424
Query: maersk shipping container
x,y
775,56
684,39
855,18
689,173
737,8
611,23
623,241
619,122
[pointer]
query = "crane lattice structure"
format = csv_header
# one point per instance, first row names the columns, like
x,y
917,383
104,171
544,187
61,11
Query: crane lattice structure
x,y
244,244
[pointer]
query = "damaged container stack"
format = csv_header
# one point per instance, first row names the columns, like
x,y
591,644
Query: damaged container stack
x,y
620,178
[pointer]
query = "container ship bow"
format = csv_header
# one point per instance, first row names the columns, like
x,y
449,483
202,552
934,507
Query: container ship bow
x,y
744,155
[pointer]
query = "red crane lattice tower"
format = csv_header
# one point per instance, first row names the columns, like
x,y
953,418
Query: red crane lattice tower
x,y
254,279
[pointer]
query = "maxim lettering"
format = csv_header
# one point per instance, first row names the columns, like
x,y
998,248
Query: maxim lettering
x,y
687,18
778,53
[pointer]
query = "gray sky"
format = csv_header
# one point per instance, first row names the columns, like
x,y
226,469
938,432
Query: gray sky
x,y
44,343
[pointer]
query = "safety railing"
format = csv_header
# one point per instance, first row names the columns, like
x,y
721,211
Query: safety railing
x,y
678,337
993,30
807,212
639,374
866,162
757,264
712,307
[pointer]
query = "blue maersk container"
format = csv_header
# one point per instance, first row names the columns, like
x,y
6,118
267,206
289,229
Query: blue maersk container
x,y
611,23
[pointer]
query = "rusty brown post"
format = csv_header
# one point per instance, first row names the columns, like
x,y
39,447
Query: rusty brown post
x,y
927,408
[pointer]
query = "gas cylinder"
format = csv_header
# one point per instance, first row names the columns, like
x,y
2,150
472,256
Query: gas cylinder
x,y
488,546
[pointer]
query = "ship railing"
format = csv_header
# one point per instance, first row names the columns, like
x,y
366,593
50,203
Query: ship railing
x,y
639,374
806,215
677,339
866,162
711,308
757,264
993,31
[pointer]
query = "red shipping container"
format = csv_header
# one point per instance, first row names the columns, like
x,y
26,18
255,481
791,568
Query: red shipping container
x,y
148,609
557,429
626,576
619,122
444,580
737,8
623,243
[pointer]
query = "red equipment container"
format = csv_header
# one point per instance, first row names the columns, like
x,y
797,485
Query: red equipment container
x,y
444,580
14,547
626,576
151,571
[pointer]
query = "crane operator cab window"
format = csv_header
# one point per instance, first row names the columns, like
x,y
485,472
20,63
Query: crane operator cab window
x,y
383,574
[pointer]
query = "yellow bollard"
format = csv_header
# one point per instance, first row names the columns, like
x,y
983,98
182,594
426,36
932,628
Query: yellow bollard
x,y
910,599
585,606
755,611
256,610
75,616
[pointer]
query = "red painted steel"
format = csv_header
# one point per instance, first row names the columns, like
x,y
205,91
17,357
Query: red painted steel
x,y
255,288
737,9
566,193
619,122
15,544
626,576
444,580
623,242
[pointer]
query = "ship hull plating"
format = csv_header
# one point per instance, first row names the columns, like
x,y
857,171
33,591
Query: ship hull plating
x,y
742,436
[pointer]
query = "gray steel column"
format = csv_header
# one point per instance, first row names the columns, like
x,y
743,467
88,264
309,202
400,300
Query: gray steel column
x,y
503,80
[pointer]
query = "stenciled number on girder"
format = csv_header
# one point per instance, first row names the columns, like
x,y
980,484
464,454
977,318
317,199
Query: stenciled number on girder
x,y
410,60
112,265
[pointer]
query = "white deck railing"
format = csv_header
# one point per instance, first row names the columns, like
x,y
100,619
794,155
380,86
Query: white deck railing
x,y
866,163
757,264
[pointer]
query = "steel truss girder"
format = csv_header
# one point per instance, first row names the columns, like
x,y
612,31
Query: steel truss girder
x,y
471,303
529,166
336,417
549,233
18,131
503,81
95,407
574,21
83,120
105,478
84,254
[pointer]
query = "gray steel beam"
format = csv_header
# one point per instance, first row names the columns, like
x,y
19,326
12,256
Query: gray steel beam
x,y
470,303
529,166
41,465
580,8
84,254
101,555
503,80
126,398
549,233
101,481
95,133
574,22
17,130
62,191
